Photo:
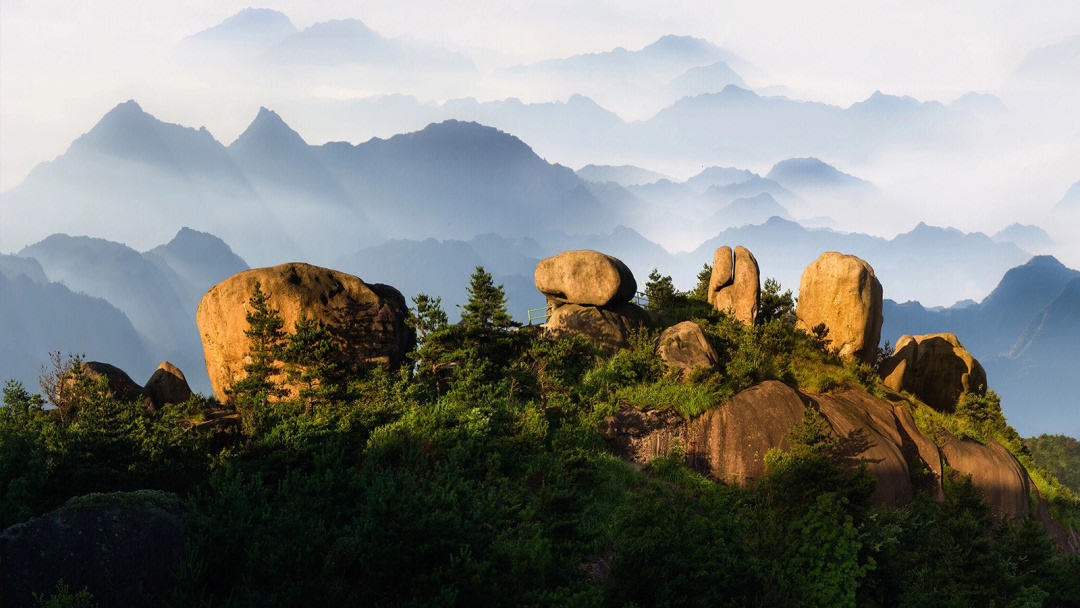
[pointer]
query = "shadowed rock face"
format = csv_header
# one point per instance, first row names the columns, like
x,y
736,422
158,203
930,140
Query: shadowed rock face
x,y
685,347
1002,481
367,321
167,385
609,327
842,292
735,283
585,277
109,543
936,368
730,441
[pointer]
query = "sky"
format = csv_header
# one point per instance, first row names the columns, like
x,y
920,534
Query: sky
x,y
64,64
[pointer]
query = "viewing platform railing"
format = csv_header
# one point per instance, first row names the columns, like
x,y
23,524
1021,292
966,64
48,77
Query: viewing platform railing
x,y
541,315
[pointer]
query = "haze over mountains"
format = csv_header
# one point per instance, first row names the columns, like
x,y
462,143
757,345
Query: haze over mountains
x,y
410,162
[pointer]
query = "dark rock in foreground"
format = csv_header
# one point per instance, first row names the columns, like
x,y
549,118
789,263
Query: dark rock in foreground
x,y
111,544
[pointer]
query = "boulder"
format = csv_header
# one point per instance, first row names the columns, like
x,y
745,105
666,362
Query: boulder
x,y
735,283
609,327
684,347
936,368
116,545
120,384
585,277
167,385
842,292
366,321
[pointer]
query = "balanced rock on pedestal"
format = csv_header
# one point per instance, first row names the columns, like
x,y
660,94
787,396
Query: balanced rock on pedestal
x,y
735,283
842,292
936,368
590,294
366,321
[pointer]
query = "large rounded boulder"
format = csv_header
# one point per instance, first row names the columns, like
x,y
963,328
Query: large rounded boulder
x,y
936,368
585,277
843,293
609,327
735,283
366,320
685,348
167,385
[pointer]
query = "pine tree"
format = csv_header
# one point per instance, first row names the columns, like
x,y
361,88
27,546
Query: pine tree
x,y
266,337
486,305
701,291
427,315
660,290
311,364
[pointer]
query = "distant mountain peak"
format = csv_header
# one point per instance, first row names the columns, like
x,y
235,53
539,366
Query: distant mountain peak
x,y
681,44
268,129
812,172
259,26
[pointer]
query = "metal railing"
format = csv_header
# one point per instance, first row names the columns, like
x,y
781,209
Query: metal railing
x,y
540,314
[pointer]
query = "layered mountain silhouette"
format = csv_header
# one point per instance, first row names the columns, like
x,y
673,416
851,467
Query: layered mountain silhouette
x,y
135,179
147,299
1027,237
39,318
276,198
1026,333
624,175
271,37
705,79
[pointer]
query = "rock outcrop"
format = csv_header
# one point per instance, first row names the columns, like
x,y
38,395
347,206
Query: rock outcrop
x,y
842,292
609,327
585,277
735,284
684,347
167,385
112,544
936,368
367,321
730,442
120,385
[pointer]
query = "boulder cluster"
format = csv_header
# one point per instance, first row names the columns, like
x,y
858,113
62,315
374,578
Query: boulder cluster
x,y
166,386
591,294
840,299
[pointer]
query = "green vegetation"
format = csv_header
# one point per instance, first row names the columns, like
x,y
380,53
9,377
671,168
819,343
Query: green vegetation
x,y
1058,454
478,476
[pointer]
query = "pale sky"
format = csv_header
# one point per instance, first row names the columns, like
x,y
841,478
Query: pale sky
x,y
63,64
